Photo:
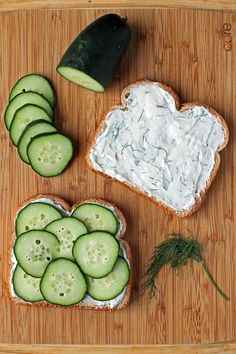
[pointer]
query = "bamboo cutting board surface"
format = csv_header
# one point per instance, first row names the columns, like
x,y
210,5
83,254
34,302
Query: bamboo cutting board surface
x,y
189,50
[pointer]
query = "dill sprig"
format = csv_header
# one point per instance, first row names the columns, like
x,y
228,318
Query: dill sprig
x,y
175,251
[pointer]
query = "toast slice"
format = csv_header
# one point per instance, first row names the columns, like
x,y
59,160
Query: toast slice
x,y
122,300
160,148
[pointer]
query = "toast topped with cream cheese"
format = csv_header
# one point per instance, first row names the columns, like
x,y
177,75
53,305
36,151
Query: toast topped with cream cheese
x,y
161,148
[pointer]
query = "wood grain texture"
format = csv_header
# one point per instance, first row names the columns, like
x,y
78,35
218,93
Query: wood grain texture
x,y
12,5
182,48
118,349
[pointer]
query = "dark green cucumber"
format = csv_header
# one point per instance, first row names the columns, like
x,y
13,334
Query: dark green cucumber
x,y
25,286
24,116
23,99
32,130
49,154
63,283
110,286
93,57
35,83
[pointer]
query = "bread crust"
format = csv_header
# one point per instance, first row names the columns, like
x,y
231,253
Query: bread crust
x,y
126,300
180,107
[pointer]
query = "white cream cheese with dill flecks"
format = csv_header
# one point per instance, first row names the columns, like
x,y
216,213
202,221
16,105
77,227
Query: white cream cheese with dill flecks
x,y
166,153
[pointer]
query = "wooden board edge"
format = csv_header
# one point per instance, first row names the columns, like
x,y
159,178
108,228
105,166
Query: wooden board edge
x,y
227,348
14,5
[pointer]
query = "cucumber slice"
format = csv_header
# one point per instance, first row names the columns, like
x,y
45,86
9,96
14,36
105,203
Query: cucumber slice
x,y
32,130
63,283
23,99
96,253
23,116
67,230
35,216
49,154
34,250
96,217
108,287
35,83
26,286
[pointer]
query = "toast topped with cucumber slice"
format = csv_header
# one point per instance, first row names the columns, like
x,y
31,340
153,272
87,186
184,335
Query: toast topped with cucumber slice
x,y
70,256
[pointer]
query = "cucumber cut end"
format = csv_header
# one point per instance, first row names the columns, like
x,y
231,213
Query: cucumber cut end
x,y
78,77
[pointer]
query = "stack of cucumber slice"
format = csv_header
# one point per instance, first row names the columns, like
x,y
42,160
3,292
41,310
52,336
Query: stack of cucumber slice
x,y
62,259
29,119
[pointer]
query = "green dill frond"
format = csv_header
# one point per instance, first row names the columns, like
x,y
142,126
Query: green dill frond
x,y
175,251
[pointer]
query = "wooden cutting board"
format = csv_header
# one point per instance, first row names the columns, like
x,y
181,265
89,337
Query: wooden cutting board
x,y
194,52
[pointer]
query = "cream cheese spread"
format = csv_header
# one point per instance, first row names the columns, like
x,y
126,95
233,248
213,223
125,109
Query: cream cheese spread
x,y
88,300
166,153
